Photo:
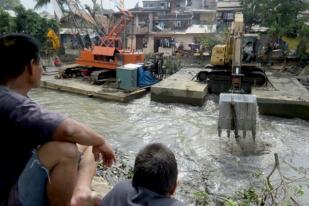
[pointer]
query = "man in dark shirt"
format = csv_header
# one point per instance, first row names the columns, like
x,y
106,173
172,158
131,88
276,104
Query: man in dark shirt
x,y
41,161
154,180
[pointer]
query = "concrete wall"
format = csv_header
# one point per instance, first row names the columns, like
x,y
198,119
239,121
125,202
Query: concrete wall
x,y
150,45
197,4
208,17
166,51
186,39
131,42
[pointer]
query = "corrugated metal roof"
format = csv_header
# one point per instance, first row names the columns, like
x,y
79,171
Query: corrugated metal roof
x,y
105,51
201,29
84,31
228,4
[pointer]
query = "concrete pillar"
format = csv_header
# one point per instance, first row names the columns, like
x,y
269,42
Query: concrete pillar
x,y
150,45
136,20
150,22
132,41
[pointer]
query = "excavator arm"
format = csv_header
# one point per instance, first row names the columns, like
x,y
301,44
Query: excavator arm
x,y
237,111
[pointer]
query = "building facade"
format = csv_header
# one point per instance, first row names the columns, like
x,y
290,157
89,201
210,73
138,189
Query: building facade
x,y
166,25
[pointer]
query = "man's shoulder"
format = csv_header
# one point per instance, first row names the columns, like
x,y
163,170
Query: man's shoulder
x,y
177,203
9,97
169,201
124,193
124,186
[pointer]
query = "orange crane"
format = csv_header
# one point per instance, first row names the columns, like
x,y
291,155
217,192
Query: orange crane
x,y
109,54
113,39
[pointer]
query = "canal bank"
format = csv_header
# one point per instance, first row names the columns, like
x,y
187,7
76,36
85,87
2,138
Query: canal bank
x,y
283,96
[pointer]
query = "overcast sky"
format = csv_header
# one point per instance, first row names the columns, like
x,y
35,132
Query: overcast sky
x,y
107,4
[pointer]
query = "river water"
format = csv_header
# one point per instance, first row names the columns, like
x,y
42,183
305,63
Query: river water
x,y
204,159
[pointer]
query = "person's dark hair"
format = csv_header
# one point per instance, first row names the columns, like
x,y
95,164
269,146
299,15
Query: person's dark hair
x,y
155,169
16,52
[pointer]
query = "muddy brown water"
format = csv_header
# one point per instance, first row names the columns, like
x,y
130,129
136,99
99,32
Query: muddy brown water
x,y
204,159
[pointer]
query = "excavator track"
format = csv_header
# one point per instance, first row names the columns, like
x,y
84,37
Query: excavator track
x,y
223,77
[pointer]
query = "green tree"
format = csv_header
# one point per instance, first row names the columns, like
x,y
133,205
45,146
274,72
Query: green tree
x,y
29,22
6,22
208,42
9,4
281,16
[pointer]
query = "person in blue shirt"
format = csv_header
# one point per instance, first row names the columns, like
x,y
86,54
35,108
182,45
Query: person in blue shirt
x,y
154,180
46,158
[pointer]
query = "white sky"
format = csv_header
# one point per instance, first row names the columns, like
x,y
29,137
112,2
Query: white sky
x,y
107,4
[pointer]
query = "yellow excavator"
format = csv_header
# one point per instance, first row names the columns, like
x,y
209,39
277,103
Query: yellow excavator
x,y
232,73
233,65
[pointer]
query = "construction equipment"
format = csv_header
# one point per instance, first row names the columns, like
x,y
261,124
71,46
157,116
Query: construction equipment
x,y
230,66
234,70
99,59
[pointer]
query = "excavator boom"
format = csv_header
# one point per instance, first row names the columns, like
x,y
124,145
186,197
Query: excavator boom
x,y
237,111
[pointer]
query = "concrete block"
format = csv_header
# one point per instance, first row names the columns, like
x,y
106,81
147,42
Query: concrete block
x,y
180,88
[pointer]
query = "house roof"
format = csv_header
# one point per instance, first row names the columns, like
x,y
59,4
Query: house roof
x,y
83,31
105,51
201,29
202,10
228,4
46,15
147,10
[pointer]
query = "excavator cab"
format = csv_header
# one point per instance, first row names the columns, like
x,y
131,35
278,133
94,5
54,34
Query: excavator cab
x,y
251,48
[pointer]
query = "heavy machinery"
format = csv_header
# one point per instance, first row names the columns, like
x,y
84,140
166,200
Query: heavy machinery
x,y
100,61
235,70
230,68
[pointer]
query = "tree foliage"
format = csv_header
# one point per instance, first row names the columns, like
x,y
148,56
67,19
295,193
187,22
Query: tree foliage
x,y
28,22
281,16
9,4
208,42
6,22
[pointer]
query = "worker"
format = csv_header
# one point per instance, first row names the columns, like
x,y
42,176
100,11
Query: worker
x,y
248,52
46,158
154,180
57,62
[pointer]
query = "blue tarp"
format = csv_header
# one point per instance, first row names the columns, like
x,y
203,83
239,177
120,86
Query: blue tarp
x,y
145,78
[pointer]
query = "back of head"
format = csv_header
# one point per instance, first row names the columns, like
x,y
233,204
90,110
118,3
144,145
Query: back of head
x,y
155,168
16,52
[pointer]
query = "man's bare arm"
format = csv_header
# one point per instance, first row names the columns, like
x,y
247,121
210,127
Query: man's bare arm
x,y
73,131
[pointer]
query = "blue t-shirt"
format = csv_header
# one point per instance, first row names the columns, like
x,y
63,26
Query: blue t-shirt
x,y
24,126
125,194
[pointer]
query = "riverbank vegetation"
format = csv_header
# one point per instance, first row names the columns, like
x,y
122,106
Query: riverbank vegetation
x,y
28,22
273,189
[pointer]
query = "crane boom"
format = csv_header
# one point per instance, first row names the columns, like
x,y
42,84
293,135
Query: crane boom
x,y
113,37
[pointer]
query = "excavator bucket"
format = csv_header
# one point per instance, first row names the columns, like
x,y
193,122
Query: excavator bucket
x,y
237,112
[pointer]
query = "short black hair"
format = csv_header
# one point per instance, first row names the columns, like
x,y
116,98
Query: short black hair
x,y
16,52
155,169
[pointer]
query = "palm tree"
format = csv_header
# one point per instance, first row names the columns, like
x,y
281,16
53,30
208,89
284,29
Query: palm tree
x,y
41,3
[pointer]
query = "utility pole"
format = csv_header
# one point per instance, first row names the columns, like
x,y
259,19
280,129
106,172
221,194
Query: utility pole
x,y
121,4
